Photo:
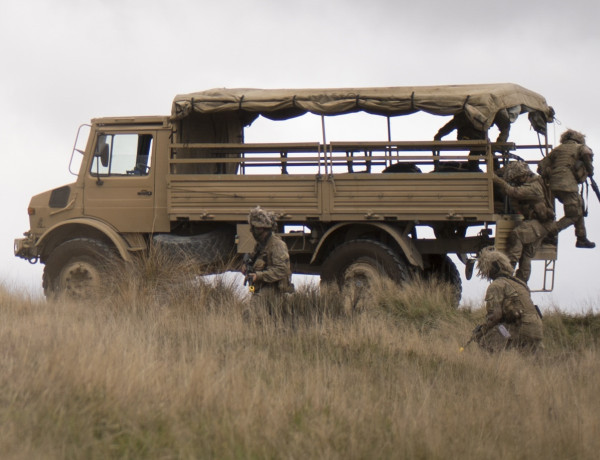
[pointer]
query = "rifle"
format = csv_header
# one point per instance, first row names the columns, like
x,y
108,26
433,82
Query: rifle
x,y
594,187
476,334
248,261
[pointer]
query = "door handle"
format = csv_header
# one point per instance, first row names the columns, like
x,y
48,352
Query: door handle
x,y
145,193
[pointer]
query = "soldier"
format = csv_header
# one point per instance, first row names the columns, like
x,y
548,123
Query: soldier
x,y
269,272
512,320
565,167
466,131
534,203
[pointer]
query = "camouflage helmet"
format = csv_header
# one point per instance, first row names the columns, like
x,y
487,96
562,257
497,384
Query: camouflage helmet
x,y
260,218
516,170
491,262
571,134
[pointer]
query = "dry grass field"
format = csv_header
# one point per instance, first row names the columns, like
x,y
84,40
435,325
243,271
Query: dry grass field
x,y
162,368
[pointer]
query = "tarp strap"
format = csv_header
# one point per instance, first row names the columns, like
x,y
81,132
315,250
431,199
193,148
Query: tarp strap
x,y
241,101
412,101
466,102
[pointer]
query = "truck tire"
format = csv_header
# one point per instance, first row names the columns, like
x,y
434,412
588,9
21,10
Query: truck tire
x,y
359,260
354,264
77,269
211,248
445,270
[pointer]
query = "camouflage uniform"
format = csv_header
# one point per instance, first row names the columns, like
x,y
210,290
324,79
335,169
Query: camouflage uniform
x,y
565,167
465,131
271,264
509,308
534,203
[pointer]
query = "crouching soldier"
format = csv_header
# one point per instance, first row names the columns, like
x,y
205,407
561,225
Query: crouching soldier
x,y
512,320
269,271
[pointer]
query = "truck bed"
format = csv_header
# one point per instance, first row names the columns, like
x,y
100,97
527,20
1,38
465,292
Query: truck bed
x,y
346,196
259,174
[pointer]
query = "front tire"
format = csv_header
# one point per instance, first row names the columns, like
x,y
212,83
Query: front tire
x,y
77,269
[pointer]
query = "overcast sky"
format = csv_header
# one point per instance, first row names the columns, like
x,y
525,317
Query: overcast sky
x,y
65,62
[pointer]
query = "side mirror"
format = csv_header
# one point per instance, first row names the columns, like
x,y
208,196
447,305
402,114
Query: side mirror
x,y
102,153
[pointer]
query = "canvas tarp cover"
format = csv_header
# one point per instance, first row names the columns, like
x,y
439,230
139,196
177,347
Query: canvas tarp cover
x,y
479,102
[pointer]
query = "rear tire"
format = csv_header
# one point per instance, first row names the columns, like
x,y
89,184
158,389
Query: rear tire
x,y
77,269
354,265
445,270
370,256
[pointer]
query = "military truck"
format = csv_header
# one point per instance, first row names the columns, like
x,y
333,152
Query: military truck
x,y
346,209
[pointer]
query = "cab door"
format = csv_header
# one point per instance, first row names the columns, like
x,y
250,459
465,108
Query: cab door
x,y
119,184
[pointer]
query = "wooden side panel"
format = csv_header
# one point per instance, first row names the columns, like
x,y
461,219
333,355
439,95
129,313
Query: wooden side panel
x,y
230,197
453,196
413,196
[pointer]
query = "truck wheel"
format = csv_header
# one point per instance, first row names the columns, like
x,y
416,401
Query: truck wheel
x,y
77,269
445,270
354,264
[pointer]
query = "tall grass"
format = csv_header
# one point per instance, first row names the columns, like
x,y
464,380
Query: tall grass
x,y
172,370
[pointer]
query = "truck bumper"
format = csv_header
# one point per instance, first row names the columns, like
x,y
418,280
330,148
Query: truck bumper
x,y
25,248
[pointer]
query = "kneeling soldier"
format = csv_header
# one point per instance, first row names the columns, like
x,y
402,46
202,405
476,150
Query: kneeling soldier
x,y
512,320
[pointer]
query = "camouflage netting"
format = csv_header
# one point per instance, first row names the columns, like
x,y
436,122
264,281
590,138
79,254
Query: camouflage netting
x,y
490,260
516,170
571,134
260,218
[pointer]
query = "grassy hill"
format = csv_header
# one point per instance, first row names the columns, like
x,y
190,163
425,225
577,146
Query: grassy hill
x,y
163,368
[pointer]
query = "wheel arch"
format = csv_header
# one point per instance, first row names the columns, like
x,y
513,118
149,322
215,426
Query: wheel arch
x,y
82,228
339,232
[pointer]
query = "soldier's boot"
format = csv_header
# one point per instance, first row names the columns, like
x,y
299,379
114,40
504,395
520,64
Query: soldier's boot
x,y
583,242
552,235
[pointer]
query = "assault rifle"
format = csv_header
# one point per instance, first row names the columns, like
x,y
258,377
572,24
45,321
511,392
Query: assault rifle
x,y
479,332
475,335
594,187
248,261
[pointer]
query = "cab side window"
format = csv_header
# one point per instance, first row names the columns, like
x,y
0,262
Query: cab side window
x,y
122,155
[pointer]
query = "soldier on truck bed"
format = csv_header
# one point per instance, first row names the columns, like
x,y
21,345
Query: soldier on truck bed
x,y
466,131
